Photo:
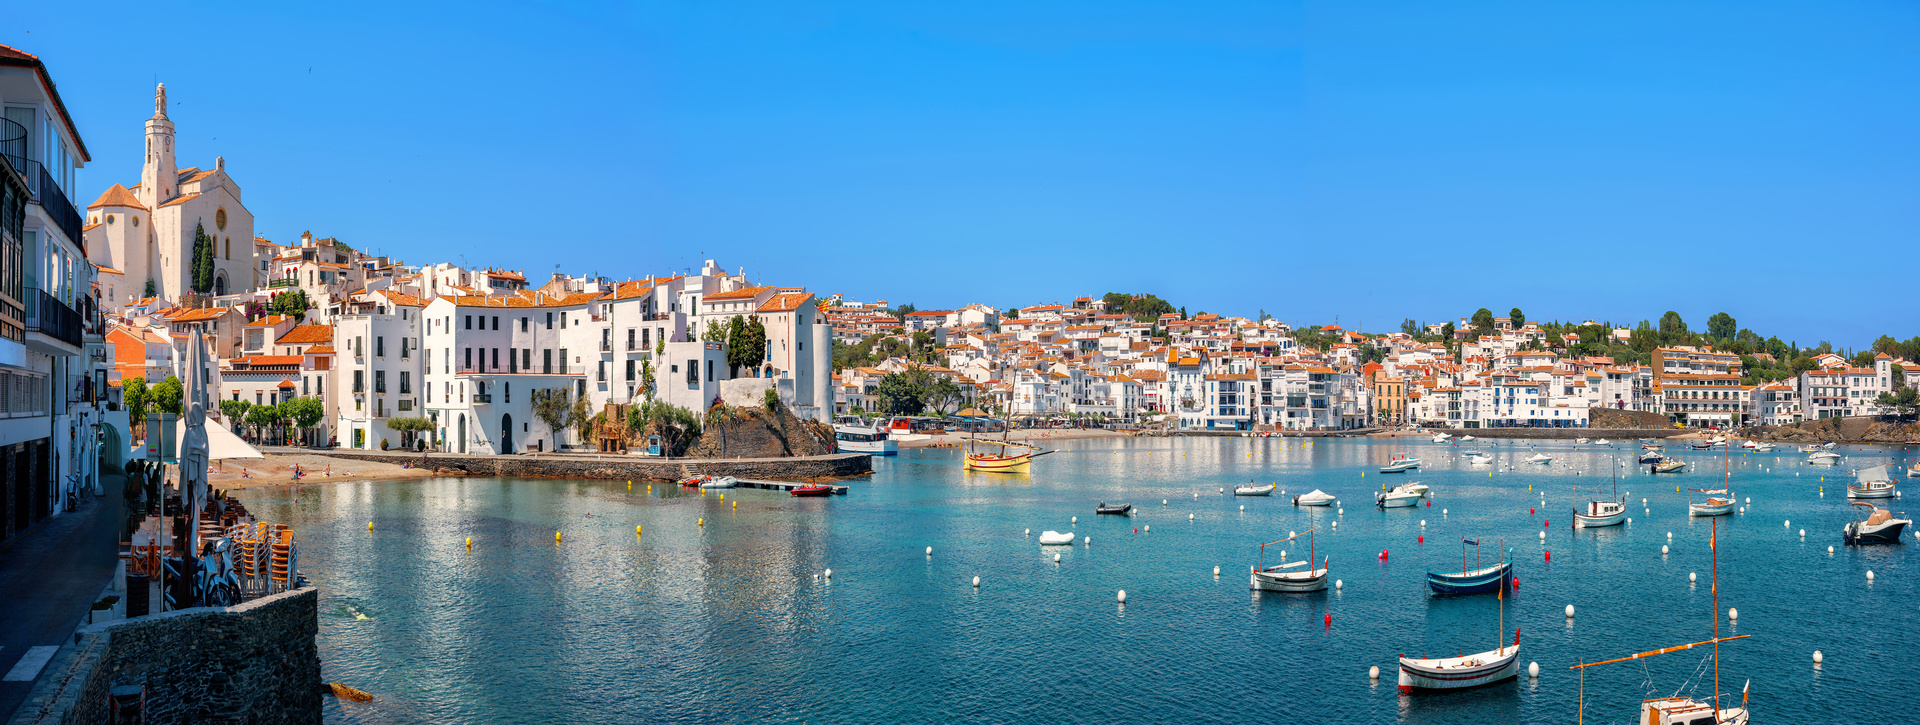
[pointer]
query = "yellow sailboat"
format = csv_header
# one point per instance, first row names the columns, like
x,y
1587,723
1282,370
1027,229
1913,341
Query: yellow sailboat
x,y
1009,458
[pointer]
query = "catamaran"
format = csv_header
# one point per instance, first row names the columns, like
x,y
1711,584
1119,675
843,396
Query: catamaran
x,y
1677,709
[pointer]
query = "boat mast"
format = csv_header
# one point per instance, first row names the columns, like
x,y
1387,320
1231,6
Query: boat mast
x,y
1501,594
1715,546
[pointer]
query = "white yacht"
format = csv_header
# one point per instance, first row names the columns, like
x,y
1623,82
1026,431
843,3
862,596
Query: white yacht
x,y
854,436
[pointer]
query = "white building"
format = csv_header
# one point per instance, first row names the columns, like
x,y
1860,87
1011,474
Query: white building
x,y
381,368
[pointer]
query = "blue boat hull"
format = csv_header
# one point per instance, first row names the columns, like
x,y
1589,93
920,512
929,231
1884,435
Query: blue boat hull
x,y
1476,583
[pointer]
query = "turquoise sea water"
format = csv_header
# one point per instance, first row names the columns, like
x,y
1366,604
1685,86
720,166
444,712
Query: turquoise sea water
x,y
732,622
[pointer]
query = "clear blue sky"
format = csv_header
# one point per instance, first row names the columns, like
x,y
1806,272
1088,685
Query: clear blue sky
x,y
1605,160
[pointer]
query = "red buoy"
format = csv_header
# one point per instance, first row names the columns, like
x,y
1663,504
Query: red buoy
x,y
1383,554
1423,538
1516,582
1549,556
1545,524
1329,620
1429,503
1529,510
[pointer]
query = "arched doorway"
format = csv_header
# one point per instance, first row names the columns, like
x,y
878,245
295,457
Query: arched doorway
x,y
220,284
113,450
506,434
463,432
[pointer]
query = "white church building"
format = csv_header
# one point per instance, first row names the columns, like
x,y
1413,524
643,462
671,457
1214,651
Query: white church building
x,y
142,237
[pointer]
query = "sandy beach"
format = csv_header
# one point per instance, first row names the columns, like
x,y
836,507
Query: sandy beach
x,y
277,470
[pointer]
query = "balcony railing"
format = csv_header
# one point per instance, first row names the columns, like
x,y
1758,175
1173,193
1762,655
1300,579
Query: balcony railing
x,y
46,193
483,398
606,345
656,316
282,282
47,315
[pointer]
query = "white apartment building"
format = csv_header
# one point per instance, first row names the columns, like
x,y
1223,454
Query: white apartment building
x,y
1776,403
381,368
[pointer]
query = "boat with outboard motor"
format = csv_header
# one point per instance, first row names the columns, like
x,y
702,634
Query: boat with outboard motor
x,y
1400,464
1252,490
1823,458
1599,513
1122,509
1398,497
1877,527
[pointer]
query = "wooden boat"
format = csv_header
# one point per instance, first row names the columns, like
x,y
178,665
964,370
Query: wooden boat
x,y
1252,490
1055,538
817,489
1456,673
1400,464
1873,483
349,692
1472,581
1677,710
1668,466
1604,513
1008,458
1283,577
1719,502
1397,497
1115,510
1317,498
1878,527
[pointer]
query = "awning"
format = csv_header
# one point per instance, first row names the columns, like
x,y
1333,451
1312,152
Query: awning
x,y
971,413
221,443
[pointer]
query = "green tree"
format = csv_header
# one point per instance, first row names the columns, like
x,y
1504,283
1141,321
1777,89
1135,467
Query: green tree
x,y
235,411
716,333
201,268
306,411
746,342
167,395
1446,332
1407,327
903,393
646,379
1721,326
675,425
943,396
1672,327
150,290
551,406
409,427
262,417
292,304
136,396
1518,318
1482,321
1899,377
1012,313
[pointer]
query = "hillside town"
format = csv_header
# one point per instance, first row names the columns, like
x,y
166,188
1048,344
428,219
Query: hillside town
x,y
319,342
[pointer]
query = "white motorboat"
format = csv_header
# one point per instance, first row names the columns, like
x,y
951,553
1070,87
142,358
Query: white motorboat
x,y
1914,471
1415,486
1749,444
1678,710
1477,458
1468,439
1652,457
1823,458
1763,447
1580,441
720,482
1719,502
1603,442
1828,446
1400,464
1252,490
1667,465
1539,458
1604,513
1291,577
1871,483
1397,497
853,436
1055,538
1316,498
1441,437
1879,527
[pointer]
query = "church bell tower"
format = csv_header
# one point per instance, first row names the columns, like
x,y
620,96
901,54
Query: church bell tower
x,y
159,176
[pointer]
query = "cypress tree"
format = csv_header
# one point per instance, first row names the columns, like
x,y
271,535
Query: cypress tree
x,y
202,271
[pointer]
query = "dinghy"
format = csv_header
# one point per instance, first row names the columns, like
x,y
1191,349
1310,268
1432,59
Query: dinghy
x,y
1316,498
1284,577
1879,527
1114,510
1873,483
1055,538
720,482
1472,581
813,491
1441,437
1252,490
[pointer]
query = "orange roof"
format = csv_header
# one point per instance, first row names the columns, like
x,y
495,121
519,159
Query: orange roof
x,y
399,298
118,195
504,274
320,350
259,360
110,270
198,315
488,301
787,302
307,335
286,384
745,293
269,321
182,199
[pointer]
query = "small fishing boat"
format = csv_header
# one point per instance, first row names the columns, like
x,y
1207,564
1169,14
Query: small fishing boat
x,y
1580,441
815,490
1055,538
1667,466
1878,527
1397,497
1604,513
1873,483
1539,458
1701,446
1719,502
1652,456
1010,458
1316,498
1456,673
1675,709
720,482
1823,458
1472,581
1252,490
1441,437
1914,471
1400,464
1114,510
1284,577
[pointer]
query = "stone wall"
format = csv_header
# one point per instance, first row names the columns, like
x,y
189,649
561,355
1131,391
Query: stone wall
x,y
624,468
253,663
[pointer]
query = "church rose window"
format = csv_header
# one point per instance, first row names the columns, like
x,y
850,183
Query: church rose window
x,y
220,219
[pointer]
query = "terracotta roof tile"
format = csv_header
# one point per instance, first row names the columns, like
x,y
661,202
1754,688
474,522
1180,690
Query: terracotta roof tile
x,y
307,335
118,195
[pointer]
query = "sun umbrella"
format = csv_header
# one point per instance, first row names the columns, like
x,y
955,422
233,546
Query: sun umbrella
x,y
221,443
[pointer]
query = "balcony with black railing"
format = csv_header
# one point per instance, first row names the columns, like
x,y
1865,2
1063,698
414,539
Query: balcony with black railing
x,y
40,183
47,315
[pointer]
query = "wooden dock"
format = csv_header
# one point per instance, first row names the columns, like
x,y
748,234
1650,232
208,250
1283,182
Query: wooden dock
x,y
783,485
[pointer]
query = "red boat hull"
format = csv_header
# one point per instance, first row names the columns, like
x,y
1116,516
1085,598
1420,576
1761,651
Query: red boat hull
x,y
812,491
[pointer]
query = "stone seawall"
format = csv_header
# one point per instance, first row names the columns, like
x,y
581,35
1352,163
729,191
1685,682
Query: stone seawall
x,y
622,468
252,663
1568,433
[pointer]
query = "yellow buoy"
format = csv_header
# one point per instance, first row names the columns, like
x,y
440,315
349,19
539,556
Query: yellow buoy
x,y
469,542
736,505
556,537
629,485
701,522
636,529
369,525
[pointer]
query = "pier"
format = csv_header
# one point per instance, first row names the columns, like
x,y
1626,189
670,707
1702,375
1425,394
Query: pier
x,y
784,485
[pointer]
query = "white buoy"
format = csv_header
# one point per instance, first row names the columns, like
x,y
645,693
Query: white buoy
x,y
1243,507
976,582
1629,520
1788,523
1663,550
1743,509
929,551
1292,534
1373,673
1817,657
1749,500
1543,536
1869,575
1216,571
1339,583
1733,613
829,573
1692,577
1533,670
1026,532
1148,528
1088,541
1643,502
1123,596
1669,536
1423,523
1335,525
1829,551
1443,512
1189,517
1076,519
1803,533
1340,512
1569,611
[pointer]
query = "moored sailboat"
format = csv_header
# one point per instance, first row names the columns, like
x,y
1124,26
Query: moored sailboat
x,y
1871,483
1282,577
1473,581
1453,673
1604,513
